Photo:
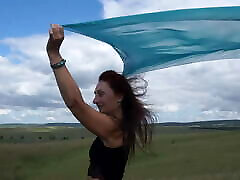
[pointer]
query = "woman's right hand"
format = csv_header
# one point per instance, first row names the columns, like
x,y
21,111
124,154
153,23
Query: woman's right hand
x,y
56,37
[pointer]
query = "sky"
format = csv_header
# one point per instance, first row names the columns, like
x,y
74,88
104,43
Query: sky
x,y
28,91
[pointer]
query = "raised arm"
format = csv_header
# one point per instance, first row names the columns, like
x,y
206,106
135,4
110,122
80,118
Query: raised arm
x,y
96,122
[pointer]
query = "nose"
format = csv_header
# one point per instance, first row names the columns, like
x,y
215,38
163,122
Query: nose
x,y
95,100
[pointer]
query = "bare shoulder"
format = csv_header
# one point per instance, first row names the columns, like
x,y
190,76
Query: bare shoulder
x,y
114,140
96,122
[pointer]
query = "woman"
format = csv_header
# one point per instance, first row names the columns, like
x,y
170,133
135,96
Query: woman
x,y
121,120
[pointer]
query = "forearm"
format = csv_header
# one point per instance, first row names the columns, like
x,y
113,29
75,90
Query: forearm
x,y
66,84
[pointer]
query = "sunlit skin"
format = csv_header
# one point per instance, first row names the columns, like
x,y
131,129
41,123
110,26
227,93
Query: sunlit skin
x,y
107,101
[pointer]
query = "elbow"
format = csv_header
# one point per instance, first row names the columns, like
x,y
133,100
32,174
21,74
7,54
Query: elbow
x,y
74,104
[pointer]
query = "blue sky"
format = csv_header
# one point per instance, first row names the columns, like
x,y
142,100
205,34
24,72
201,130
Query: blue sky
x,y
28,91
23,18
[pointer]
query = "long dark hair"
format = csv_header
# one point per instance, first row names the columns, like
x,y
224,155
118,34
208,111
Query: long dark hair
x,y
137,119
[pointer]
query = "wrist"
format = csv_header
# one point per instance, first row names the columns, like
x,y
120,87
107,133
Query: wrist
x,y
54,57
58,64
53,52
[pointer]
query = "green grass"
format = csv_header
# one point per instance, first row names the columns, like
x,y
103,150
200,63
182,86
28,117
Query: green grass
x,y
208,155
176,154
61,160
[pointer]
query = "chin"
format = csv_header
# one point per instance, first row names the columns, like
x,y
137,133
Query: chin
x,y
100,110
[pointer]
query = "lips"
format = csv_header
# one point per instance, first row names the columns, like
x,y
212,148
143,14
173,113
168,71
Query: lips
x,y
100,107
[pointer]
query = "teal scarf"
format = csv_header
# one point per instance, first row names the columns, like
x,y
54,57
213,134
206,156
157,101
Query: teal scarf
x,y
159,40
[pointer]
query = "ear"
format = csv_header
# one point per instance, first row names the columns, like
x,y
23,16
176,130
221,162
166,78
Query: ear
x,y
119,101
120,98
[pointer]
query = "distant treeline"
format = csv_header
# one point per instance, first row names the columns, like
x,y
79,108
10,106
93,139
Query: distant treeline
x,y
64,124
212,123
218,128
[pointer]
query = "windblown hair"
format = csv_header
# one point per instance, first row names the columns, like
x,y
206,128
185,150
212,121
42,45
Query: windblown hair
x,y
137,119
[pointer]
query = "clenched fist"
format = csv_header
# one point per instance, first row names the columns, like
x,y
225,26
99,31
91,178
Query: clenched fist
x,y
56,37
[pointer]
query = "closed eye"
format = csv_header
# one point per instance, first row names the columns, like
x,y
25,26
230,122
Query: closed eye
x,y
100,93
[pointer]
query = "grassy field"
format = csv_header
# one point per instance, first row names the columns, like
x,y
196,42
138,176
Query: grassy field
x,y
177,153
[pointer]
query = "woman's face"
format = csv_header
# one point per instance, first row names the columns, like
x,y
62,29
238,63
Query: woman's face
x,y
105,99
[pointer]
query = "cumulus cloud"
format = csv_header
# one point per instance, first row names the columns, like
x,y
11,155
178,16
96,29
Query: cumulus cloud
x,y
39,115
196,89
88,58
114,8
4,111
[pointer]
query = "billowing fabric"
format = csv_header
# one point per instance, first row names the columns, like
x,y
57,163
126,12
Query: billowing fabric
x,y
152,41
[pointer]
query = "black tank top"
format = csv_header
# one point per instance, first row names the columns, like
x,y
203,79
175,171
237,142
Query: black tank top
x,y
107,163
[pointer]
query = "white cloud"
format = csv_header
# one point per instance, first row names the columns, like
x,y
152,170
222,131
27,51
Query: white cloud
x,y
167,108
199,87
4,111
87,58
50,119
216,114
38,115
3,60
115,8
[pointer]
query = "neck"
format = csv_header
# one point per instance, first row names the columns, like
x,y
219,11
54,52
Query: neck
x,y
117,114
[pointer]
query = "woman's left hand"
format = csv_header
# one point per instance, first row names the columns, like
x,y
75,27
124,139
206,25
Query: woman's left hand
x,y
56,37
